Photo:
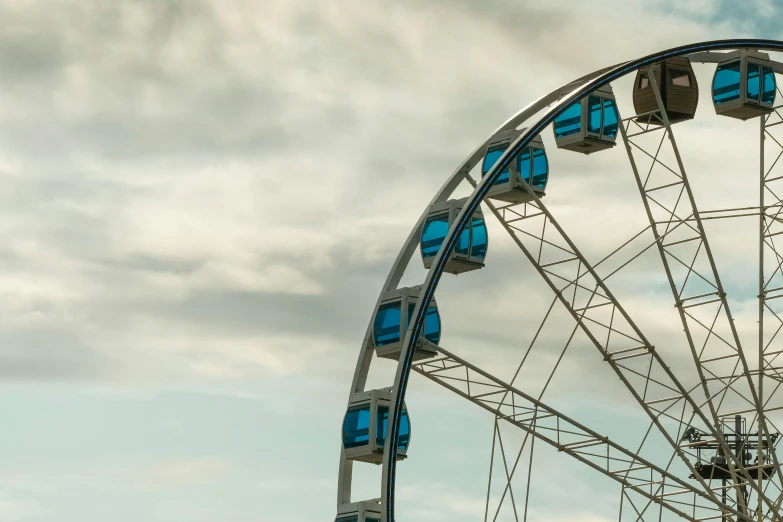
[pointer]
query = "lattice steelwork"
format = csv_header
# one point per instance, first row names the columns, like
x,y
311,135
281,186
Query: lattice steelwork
x,y
556,429
618,340
770,264
695,283
708,450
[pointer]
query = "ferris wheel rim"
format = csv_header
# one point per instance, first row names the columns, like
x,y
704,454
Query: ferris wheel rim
x,y
594,81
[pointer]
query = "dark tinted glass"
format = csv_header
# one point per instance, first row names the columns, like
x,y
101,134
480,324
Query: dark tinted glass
x,y
478,229
594,115
356,426
726,83
492,156
463,243
386,328
540,168
381,421
611,116
570,122
523,164
432,325
768,87
435,230
754,81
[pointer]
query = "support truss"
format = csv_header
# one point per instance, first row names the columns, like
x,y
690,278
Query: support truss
x,y
693,278
771,257
770,288
609,328
639,477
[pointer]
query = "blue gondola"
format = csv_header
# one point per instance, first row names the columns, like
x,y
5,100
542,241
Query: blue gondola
x,y
744,85
389,328
359,512
530,166
471,247
590,124
365,423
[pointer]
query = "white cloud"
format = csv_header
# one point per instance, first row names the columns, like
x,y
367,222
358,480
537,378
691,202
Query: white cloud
x,y
16,508
187,472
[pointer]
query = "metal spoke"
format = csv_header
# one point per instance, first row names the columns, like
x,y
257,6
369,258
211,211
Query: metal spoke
x,y
639,348
689,302
568,436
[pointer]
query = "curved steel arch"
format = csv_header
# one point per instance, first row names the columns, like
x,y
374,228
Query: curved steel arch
x,y
412,243
432,279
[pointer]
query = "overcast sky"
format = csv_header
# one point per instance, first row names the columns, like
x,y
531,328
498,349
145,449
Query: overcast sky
x,y
202,198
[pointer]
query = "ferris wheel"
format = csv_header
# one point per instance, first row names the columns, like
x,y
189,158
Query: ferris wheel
x,y
709,447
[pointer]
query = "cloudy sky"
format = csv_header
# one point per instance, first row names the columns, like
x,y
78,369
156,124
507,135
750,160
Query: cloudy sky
x,y
202,198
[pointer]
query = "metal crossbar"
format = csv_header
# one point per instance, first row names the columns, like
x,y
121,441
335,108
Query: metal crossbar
x,y
578,286
569,437
715,351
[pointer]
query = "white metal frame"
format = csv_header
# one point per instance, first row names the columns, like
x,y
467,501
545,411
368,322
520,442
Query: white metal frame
x,y
688,250
363,511
704,52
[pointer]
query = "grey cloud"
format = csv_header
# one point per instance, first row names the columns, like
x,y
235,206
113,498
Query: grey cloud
x,y
45,354
147,263
106,79
218,312
527,21
111,117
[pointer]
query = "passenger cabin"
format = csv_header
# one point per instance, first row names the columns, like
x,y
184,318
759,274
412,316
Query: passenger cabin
x,y
678,88
744,85
365,423
359,512
590,124
389,327
530,168
471,246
